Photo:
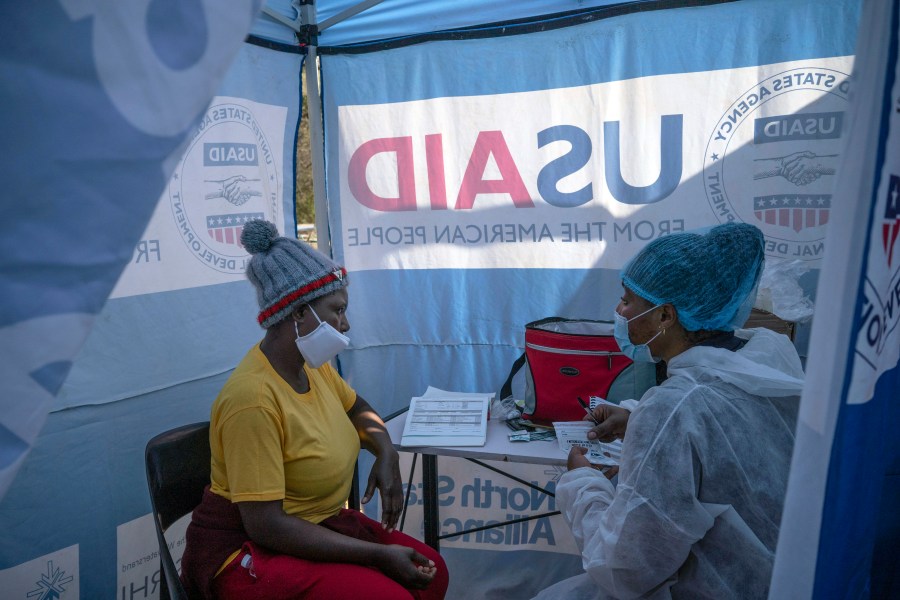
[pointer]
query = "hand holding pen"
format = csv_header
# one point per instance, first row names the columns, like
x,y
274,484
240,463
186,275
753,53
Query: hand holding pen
x,y
577,455
610,421
588,410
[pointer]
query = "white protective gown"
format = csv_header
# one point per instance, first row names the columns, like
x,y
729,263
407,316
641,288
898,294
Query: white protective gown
x,y
704,469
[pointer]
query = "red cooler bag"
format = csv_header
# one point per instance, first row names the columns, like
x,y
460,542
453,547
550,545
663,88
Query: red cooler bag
x,y
566,359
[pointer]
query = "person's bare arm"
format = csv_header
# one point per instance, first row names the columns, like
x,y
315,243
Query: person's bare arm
x,y
385,473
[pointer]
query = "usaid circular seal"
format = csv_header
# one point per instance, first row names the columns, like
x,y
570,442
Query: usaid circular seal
x,y
771,159
226,178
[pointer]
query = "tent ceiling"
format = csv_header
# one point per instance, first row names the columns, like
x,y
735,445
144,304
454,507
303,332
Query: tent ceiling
x,y
398,18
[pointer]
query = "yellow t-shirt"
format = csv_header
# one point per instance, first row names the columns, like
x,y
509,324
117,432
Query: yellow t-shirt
x,y
270,443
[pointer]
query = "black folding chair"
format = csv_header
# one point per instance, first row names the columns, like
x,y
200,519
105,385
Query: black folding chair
x,y
177,471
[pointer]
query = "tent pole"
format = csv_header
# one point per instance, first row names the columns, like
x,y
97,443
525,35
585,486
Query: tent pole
x,y
274,14
307,13
316,134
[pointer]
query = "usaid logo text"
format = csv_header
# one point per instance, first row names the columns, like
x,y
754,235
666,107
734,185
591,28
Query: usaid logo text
x,y
492,147
809,126
228,155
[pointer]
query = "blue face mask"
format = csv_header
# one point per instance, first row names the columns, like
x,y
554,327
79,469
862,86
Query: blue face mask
x,y
639,352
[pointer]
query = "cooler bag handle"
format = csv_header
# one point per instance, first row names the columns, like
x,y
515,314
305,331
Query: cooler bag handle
x,y
506,390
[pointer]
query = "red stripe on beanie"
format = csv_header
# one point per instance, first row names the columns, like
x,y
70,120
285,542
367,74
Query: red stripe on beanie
x,y
293,296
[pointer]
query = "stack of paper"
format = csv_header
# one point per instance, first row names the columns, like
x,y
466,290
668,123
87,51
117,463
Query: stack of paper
x,y
440,418
574,433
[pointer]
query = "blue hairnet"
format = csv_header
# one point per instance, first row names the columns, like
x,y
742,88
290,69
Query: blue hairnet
x,y
710,278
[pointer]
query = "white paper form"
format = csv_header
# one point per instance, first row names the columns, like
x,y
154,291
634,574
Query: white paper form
x,y
446,419
574,433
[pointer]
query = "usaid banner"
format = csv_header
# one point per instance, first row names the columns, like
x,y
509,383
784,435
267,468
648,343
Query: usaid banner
x,y
231,172
183,294
585,176
475,200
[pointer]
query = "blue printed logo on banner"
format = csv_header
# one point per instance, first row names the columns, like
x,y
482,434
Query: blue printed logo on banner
x,y
50,585
226,178
781,163
881,309
881,305
881,315
891,224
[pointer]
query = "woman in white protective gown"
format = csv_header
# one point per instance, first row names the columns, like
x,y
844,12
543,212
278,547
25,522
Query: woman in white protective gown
x,y
701,483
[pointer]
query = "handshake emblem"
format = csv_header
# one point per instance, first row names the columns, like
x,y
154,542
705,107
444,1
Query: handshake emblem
x,y
236,189
800,168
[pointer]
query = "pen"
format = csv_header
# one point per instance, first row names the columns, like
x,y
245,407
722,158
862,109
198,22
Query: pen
x,y
587,409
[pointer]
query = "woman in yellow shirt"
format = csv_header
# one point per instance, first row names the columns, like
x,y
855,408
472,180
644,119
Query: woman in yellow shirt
x,y
285,432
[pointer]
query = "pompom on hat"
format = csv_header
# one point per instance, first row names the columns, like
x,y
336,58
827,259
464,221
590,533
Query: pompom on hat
x,y
286,272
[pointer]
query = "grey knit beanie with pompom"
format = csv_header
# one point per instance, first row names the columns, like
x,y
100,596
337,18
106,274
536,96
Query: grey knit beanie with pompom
x,y
286,272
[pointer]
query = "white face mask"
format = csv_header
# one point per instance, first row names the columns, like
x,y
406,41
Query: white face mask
x,y
321,344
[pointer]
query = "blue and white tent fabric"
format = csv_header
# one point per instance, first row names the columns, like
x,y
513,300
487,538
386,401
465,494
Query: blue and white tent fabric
x,y
137,137
99,98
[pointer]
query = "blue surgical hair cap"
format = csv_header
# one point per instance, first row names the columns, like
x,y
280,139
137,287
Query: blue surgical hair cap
x,y
710,276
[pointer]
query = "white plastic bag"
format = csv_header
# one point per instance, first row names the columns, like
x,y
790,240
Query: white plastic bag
x,y
780,294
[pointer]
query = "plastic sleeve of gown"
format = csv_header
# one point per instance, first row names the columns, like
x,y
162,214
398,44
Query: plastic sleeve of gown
x,y
656,535
701,435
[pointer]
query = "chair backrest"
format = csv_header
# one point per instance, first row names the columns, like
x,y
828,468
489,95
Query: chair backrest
x,y
178,463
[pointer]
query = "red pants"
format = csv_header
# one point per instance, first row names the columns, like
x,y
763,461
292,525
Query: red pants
x,y
282,577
